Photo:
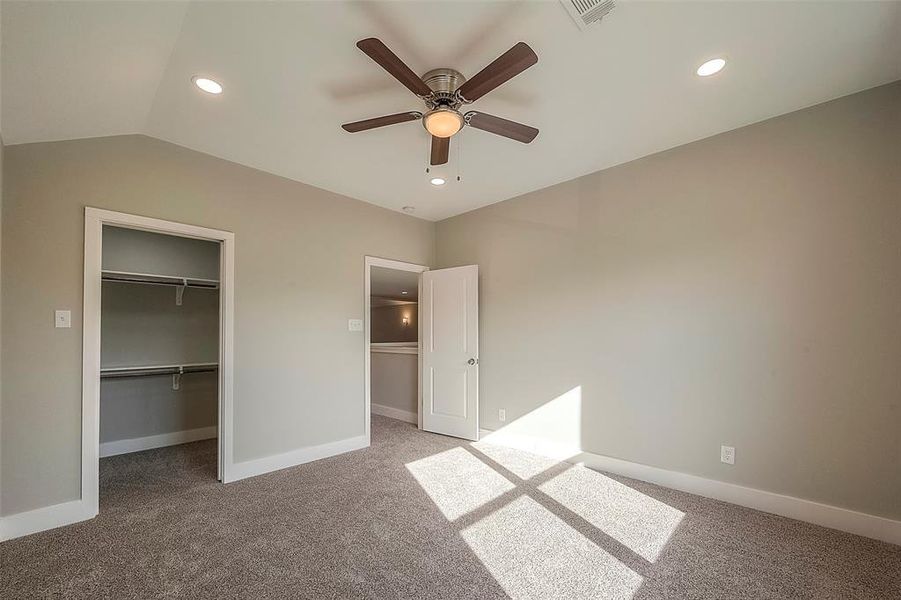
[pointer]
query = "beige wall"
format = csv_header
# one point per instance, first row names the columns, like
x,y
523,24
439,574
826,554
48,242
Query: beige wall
x,y
299,277
394,381
137,251
136,407
1,325
741,290
386,323
141,325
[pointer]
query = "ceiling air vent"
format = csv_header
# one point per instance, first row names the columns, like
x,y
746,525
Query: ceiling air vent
x,y
587,12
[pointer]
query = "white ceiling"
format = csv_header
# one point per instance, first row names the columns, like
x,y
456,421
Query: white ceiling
x,y
292,75
391,283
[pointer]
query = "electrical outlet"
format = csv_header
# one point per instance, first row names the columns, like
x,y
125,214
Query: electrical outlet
x,y
727,454
502,415
355,324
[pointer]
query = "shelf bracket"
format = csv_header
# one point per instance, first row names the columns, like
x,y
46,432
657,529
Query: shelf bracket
x,y
180,292
176,379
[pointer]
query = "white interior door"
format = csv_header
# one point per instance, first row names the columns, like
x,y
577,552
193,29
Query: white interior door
x,y
449,313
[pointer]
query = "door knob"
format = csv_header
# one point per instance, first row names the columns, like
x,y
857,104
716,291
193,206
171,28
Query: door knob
x,y
472,361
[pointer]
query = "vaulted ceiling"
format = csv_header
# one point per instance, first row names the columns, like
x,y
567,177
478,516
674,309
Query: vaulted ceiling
x,y
292,74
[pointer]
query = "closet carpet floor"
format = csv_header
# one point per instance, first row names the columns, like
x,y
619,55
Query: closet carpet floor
x,y
419,515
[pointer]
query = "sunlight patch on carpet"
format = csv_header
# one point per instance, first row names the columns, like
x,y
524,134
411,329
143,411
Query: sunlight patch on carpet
x,y
458,482
532,553
639,522
524,465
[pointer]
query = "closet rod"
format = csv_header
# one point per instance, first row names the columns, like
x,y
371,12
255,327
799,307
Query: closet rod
x,y
149,279
150,370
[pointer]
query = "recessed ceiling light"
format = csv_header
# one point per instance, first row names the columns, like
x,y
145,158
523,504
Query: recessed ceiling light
x,y
405,292
711,67
207,85
438,181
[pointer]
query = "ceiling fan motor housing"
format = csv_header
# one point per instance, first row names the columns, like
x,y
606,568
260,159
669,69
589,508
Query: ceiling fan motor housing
x,y
443,83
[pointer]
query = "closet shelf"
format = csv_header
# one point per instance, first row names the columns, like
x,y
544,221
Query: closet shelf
x,y
149,370
149,279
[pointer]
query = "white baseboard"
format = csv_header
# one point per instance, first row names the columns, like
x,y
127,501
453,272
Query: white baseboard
x,y
48,517
66,513
394,413
156,441
260,466
872,526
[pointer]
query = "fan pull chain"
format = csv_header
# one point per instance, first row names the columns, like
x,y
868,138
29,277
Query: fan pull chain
x,y
459,158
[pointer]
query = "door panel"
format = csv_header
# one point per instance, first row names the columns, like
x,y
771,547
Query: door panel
x,y
453,387
449,306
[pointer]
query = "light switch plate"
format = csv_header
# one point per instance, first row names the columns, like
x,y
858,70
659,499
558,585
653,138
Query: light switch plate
x,y
355,324
63,318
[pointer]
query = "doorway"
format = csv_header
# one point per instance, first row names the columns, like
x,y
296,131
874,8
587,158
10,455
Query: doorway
x,y
392,334
442,394
160,296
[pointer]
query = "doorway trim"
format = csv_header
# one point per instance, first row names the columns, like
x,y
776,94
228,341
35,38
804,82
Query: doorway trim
x,y
368,263
94,220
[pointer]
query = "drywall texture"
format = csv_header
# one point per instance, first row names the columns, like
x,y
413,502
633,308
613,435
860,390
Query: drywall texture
x,y
742,290
387,323
143,406
299,276
394,380
142,325
151,253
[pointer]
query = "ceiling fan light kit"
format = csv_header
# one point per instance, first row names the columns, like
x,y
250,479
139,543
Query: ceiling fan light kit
x,y
444,91
443,122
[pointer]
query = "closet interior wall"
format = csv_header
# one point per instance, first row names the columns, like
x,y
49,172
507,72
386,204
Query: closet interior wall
x,y
142,324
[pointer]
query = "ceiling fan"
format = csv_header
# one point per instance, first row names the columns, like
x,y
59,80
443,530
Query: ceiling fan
x,y
445,91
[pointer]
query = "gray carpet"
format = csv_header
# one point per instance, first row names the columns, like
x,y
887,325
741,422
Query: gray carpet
x,y
424,516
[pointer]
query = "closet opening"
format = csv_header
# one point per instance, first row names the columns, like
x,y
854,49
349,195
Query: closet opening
x,y
157,357
392,333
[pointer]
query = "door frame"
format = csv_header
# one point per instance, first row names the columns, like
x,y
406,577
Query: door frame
x,y
94,220
368,263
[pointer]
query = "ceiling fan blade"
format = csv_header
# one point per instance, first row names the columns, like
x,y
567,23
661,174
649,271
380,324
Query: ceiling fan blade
x,y
381,121
440,150
388,60
505,127
504,68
